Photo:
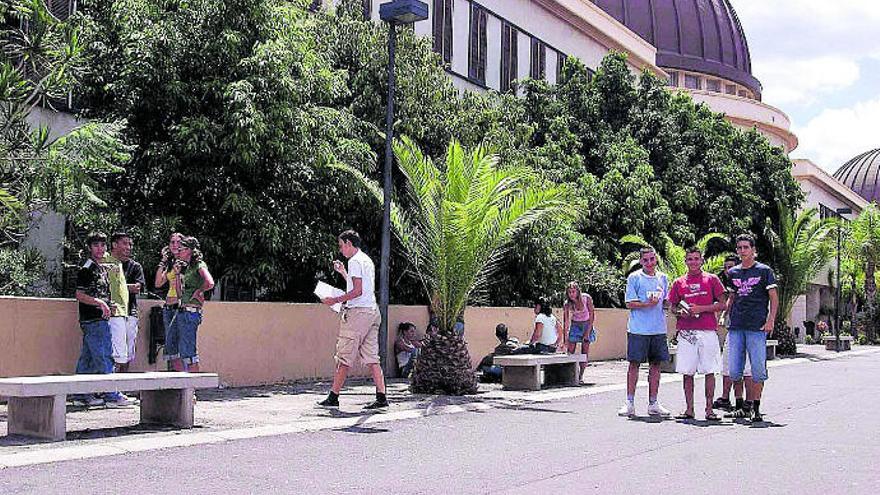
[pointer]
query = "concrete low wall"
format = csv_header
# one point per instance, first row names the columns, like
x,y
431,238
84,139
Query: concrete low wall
x,y
254,343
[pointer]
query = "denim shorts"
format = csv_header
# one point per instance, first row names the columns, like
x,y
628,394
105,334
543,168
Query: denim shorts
x,y
747,342
576,333
646,348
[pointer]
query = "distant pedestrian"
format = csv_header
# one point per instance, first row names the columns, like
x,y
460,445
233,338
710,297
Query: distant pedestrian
x,y
547,336
578,316
193,279
752,317
93,295
360,320
696,297
646,291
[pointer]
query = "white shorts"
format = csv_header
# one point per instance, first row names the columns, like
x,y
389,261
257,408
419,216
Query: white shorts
x,y
123,335
697,352
725,361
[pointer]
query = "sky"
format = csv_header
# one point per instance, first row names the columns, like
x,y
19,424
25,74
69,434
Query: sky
x,y
819,62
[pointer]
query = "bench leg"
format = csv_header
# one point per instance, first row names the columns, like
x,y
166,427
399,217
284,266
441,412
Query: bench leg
x,y
39,417
771,352
564,374
521,377
169,407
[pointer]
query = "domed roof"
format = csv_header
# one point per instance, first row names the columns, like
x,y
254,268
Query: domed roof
x,y
862,175
702,36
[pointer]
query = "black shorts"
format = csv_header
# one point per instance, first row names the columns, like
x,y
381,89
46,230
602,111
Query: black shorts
x,y
646,348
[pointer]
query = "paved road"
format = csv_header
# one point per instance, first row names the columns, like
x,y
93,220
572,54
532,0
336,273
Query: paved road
x,y
822,437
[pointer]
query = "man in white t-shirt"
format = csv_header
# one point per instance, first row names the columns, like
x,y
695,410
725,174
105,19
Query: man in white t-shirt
x,y
359,327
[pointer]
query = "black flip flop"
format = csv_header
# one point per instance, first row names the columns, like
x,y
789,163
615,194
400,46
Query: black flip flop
x,y
685,416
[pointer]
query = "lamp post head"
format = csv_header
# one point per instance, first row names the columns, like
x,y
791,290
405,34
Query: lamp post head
x,y
403,11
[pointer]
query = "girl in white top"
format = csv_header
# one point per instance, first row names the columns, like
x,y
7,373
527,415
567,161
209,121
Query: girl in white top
x,y
547,337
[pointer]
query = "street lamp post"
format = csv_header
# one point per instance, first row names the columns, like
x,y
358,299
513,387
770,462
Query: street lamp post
x,y
394,13
840,212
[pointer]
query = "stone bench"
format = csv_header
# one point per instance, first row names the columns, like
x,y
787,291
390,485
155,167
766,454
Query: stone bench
x,y
37,404
669,366
523,371
846,342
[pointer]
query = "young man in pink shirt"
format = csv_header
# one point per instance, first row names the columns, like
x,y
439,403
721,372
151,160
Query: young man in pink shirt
x,y
696,298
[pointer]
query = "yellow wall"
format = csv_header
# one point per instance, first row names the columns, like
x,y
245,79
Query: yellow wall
x,y
255,343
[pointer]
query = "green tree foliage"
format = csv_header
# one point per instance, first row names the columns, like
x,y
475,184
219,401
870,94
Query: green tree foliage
x,y
42,59
862,249
233,106
673,261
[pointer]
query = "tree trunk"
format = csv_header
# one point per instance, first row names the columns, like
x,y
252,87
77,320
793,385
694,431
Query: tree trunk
x,y
444,367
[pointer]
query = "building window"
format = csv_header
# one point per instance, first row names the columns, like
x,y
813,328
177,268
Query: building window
x,y
560,63
443,29
673,79
730,89
477,54
509,56
538,67
744,93
692,82
713,85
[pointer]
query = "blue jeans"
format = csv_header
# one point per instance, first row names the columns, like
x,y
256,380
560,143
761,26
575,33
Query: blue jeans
x,y
753,342
96,356
187,325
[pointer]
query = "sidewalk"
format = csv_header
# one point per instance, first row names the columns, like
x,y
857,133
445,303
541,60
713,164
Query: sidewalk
x,y
226,414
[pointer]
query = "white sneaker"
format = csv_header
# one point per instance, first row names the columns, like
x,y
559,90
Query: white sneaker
x,y
628,409
657,410
121,400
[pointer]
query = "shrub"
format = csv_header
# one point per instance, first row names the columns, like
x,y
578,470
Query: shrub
x,y
808,340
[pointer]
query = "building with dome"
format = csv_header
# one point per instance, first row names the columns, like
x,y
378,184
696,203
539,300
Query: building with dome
x,y
862,175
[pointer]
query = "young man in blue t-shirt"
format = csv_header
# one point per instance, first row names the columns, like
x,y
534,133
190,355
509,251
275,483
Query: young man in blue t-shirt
x,y
752,316
646,291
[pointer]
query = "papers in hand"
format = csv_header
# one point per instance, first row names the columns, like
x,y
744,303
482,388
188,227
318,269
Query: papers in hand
x,y
323,290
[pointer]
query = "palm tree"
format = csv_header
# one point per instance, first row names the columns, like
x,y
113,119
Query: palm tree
x,y
455,224
863,245
803,246
672,261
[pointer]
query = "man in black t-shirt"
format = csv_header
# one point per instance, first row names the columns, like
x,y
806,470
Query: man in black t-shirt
x,y
752,317
93,295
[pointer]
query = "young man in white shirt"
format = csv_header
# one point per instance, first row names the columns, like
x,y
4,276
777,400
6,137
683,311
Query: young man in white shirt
x,y
359,327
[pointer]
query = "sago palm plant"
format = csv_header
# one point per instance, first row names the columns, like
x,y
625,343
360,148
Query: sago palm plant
x,y
455,223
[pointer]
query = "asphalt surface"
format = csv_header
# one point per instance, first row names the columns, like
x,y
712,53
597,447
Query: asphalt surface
x,y
821,436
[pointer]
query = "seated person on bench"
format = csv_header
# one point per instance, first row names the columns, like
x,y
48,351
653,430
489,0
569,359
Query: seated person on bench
x,y
506,346
548,336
